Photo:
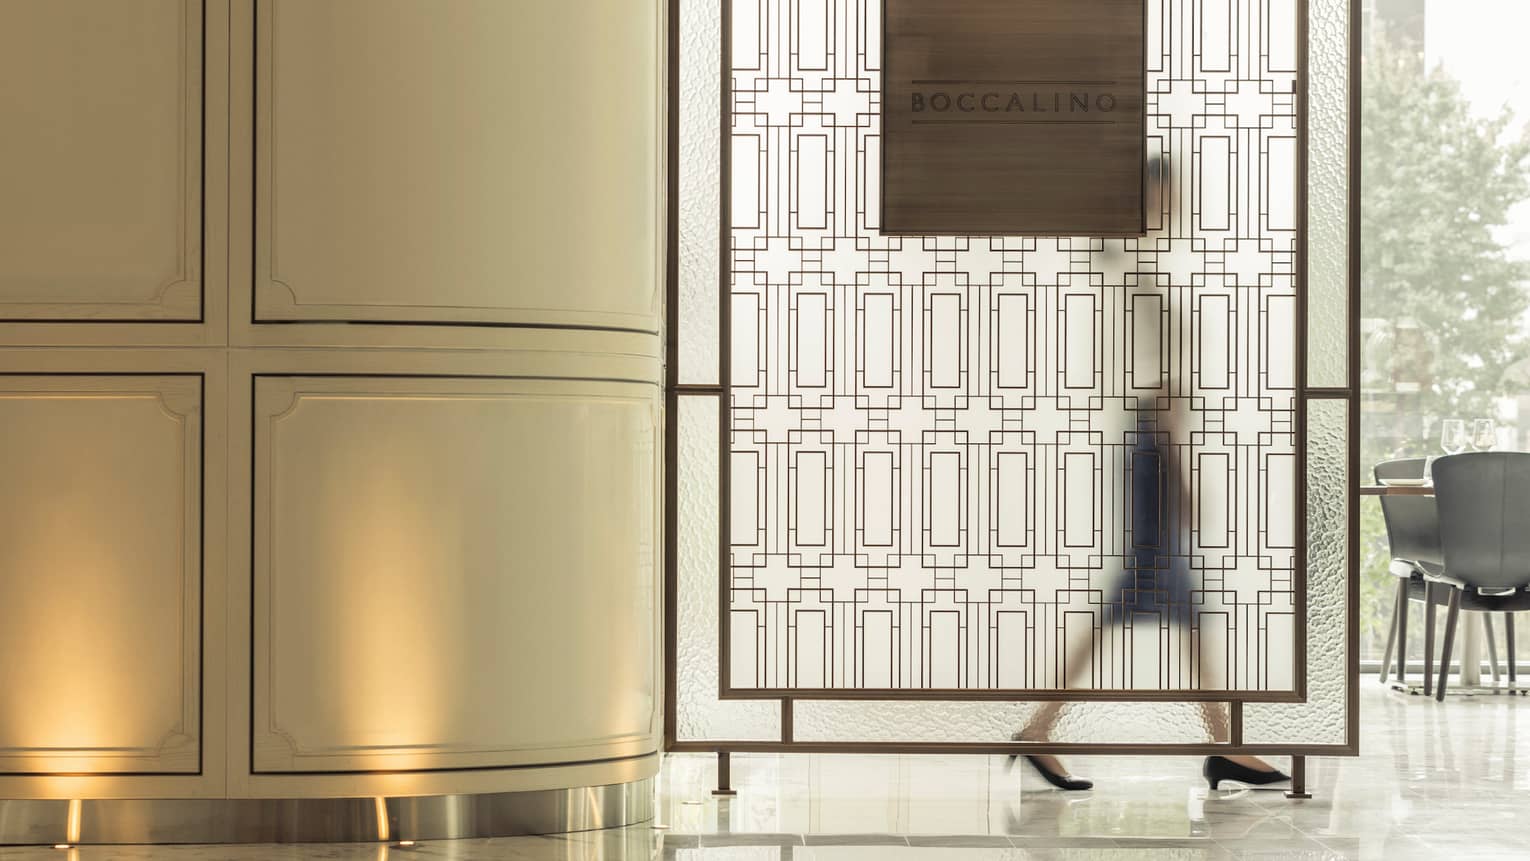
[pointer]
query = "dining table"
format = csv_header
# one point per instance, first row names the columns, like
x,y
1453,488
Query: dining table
x,y
1472,634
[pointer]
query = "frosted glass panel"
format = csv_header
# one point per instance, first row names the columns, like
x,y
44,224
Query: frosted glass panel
x,y
700,189
700,715
1322,719
969,463
1328,194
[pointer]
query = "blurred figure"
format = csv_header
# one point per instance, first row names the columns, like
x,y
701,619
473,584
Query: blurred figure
x,y
1155,579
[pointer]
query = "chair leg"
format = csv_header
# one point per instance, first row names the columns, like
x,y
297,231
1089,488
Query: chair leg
x,y
1450,639
1400,605
1402,631
1429,639
1487,630
1508,635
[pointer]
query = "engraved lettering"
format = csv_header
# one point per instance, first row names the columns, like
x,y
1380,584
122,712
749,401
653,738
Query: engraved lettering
x,y
1014,102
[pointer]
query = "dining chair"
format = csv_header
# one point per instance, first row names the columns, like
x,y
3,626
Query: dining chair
x,y
1483,503
1413,539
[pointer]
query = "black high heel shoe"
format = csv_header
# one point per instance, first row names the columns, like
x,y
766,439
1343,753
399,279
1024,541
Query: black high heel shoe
x,y
1220,768
1065,782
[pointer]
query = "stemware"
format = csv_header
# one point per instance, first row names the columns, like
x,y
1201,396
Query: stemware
x,y
1453,437
1453,440
1484,435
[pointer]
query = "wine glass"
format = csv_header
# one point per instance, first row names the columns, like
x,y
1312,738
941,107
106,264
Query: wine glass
x,y
1484,435
1453,436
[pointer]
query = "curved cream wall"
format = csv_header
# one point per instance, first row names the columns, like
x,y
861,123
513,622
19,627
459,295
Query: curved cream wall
x,y
330,396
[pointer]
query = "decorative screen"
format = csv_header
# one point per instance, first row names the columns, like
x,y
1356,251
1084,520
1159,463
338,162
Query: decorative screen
x,y
968,464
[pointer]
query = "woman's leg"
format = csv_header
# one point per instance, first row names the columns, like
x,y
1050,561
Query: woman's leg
x,y
1040,726
1040,729
1217,720
1253,762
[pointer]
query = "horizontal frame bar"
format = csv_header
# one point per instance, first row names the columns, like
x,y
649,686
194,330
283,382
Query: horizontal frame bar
x,y
957,695
1018,748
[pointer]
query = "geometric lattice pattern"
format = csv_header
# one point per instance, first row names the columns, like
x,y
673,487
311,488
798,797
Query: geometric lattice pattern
x,y
1012,463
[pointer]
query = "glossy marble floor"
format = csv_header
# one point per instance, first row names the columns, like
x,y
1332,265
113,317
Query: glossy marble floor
x,y
1435,782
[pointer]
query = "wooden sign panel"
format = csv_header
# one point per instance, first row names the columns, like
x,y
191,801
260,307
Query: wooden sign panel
x,y
1014,117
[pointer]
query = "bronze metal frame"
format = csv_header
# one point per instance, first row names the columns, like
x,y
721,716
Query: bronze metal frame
x,y
674,389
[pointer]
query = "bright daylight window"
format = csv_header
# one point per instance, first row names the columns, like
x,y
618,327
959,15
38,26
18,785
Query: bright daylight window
x,y
1445,246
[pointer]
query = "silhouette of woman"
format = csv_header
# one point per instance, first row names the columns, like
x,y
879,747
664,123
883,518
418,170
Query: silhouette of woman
x,y
1156,577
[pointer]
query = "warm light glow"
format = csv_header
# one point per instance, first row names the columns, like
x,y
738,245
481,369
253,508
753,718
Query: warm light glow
x,y
62,846
114,576
375,524
381,806
406,843
76,812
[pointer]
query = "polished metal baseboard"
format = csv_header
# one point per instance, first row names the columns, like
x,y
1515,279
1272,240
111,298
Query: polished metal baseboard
x,y
327,820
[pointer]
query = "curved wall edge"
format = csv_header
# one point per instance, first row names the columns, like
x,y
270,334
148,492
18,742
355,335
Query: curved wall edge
x,y
362,499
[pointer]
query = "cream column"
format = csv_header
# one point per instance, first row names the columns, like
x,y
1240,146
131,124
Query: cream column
x,y
330,397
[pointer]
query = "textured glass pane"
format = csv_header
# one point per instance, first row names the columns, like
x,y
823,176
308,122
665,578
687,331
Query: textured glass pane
x,y
1328,194
995,723
700,184
1012,463
1322,719
701,717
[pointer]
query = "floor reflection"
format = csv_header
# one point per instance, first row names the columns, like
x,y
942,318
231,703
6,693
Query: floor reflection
x,y
1434,782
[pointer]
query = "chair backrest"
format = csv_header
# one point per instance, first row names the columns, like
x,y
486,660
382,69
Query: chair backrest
x,y
1413,524
1484,508
1406,467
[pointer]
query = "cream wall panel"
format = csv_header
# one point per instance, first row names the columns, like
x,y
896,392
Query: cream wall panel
x,y
472,161
101,159
100,573
453,572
